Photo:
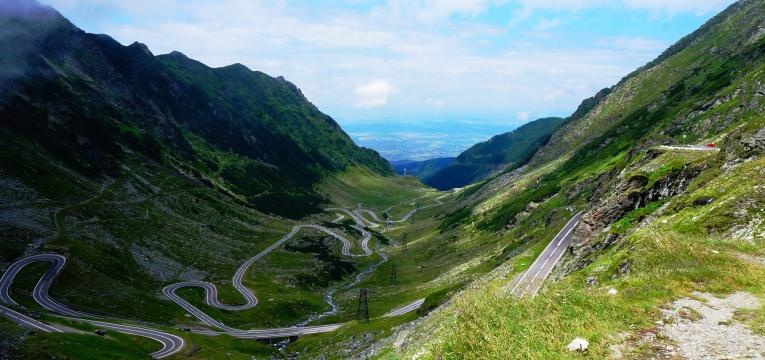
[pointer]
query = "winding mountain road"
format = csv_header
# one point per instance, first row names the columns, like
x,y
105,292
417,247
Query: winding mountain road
x,y
276,332
172,344
26,321
359,212
211,291
533,278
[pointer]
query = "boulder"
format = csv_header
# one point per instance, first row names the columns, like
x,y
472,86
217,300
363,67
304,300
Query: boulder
x,y
578,344
624,267
704,200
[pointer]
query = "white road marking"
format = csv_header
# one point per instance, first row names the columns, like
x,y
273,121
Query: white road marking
x,y
540,266
172,344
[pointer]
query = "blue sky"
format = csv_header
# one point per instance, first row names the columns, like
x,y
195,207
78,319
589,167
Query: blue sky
x,y
503,62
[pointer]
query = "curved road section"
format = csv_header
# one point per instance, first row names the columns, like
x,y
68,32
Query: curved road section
x,y
533,278
211,291
171,344
359,217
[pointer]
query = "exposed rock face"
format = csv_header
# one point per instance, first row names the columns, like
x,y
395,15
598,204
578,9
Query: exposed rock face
x,y
754,143
744,147
627,195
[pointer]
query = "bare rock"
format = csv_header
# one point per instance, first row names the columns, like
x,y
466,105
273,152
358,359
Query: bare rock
x,y
578,344
624,267
704,200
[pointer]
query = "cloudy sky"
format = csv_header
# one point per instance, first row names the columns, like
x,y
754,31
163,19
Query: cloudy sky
x,y
494,61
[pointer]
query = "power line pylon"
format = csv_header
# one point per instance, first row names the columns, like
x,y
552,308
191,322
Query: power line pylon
x,y
406,243
362,310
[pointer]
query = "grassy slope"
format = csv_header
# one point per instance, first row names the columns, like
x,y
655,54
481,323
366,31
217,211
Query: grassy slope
x,y
669,102
508,150
469,245
357,185
435,266
179,222
671,255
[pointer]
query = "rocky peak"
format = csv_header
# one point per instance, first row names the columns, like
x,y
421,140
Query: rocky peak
x,y
141,47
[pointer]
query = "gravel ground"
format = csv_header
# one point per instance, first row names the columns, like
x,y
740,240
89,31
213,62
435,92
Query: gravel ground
x,y
703,327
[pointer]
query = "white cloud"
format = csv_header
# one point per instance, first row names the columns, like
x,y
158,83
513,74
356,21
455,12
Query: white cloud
x,y
673,6
523,115
677,6
668,7
434,56
548,24
554,94
633,43
374,93
434,102
434,10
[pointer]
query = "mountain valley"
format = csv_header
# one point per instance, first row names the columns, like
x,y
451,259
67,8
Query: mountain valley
x,y
198,212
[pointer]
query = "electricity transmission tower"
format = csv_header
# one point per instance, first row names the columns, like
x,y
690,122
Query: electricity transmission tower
x,y
406,243
393,279
362,310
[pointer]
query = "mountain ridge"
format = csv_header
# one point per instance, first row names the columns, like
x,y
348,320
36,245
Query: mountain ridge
x,y
167,107
657,222
500,153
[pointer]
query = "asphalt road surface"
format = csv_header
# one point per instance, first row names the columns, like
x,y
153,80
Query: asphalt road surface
x,y
689,147
412,306
275,333
533,278
26,321
211,291
358,214
171,344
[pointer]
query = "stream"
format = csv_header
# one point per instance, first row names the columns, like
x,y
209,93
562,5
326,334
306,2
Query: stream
x,y
330,292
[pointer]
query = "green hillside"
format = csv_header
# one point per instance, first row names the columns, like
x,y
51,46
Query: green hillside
x,y
88,101
502,152
147,170
659,223
420,169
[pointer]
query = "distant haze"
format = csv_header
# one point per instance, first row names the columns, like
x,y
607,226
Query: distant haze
x,y
422,141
